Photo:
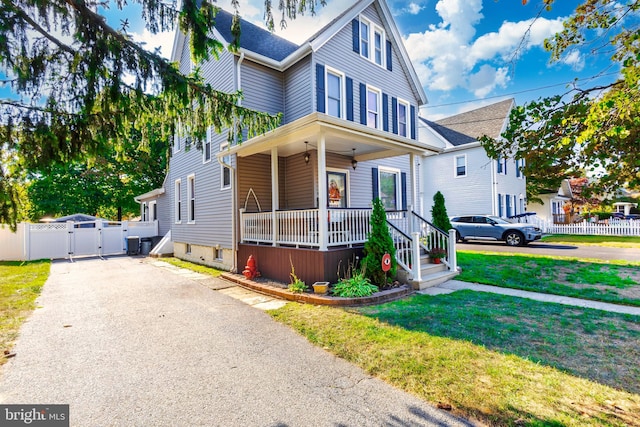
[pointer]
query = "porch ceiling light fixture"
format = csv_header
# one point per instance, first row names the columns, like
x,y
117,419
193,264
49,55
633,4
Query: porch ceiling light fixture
x,y
354,162
307,156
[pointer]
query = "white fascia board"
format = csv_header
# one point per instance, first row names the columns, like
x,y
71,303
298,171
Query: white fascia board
x,y
149,194
406,61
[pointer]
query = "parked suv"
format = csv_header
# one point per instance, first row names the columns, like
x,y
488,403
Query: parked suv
x,y
488,227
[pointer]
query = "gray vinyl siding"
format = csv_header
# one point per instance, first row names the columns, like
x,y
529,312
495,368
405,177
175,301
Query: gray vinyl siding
x,y
299,182
263,88
254,172
164,214
213,214
338,53
298,91
463,195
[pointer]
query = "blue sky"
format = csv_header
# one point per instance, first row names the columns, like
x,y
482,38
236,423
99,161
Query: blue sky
x,y
462,50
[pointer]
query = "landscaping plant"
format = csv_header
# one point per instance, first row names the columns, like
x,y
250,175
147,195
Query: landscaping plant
x,y
378,243
296,286
356,285
439,213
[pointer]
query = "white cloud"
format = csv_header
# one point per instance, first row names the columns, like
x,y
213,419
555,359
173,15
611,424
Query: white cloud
x,y
414,8
574,59
449,55
164,41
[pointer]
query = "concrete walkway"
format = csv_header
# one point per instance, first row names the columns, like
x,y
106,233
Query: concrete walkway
x,y
456,285
126,343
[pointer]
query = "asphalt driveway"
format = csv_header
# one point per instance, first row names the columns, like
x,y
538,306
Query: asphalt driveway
x,y
125,343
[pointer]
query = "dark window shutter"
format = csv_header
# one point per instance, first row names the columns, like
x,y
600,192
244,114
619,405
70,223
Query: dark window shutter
x,y
389,56
505,165
413,122
355,31
363,103
320,87
349,98
385,112
394,115
374,183
403,188
499,204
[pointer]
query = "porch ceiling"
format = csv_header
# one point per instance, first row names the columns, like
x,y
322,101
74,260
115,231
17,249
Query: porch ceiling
x,y
341,137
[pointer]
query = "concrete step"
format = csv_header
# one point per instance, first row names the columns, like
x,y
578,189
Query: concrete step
x,y
433,279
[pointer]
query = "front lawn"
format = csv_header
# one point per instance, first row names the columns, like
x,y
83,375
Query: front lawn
x,y
20,285
601,281
498,359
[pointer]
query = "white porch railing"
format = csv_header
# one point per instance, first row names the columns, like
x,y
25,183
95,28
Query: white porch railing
x,y
300,227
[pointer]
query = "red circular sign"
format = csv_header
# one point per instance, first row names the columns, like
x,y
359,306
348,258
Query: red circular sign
x,y
386,262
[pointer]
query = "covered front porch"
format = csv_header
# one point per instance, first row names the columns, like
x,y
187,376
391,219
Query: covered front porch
x,y
303,193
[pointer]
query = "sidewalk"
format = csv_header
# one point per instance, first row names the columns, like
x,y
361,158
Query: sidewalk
x,y
456,285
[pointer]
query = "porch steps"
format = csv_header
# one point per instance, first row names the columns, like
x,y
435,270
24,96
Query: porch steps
x,y
432,274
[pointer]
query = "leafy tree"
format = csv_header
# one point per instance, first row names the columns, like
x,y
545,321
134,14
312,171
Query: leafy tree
x,y
595,127
439,213
378,243
84,87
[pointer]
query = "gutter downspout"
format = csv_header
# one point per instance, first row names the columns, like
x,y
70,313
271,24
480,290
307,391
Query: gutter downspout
x,y
494,184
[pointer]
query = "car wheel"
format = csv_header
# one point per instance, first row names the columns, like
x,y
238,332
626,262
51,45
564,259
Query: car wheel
x,y
459,237
514,238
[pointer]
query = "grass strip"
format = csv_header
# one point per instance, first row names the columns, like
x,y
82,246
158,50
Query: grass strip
x,y
479,383
199,268
609,241
20,285
614,282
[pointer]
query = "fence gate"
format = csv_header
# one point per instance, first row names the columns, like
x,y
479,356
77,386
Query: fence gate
x,y
66,240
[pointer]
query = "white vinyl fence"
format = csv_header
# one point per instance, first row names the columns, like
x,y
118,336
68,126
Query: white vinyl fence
x,y
612,227
70,239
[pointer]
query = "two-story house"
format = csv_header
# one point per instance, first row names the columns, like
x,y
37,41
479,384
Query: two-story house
x,y
470,181
302,193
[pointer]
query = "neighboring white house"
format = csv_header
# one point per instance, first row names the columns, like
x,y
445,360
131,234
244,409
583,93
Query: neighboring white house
x,y
552,207
470,181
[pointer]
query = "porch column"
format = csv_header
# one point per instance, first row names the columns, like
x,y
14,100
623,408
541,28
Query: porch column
x,y
275,196
323,228
414,192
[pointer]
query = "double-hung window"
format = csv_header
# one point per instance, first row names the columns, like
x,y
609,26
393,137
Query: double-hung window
x,y
461,166
191,198
378,53
225,172
389,188
335,102
373,107
403,118
206,148
372,42
364,38
178,200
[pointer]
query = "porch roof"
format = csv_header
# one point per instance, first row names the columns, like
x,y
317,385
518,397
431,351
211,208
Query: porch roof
x,y
341,136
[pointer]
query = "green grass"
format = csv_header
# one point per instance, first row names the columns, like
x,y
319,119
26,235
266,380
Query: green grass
x,y
20,285
601,281
611,241
497,359
193,266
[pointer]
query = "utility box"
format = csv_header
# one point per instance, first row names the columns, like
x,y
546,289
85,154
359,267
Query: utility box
x,y
133,243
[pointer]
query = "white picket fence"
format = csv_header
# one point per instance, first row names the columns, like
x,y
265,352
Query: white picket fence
x,y
612,227
70,239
